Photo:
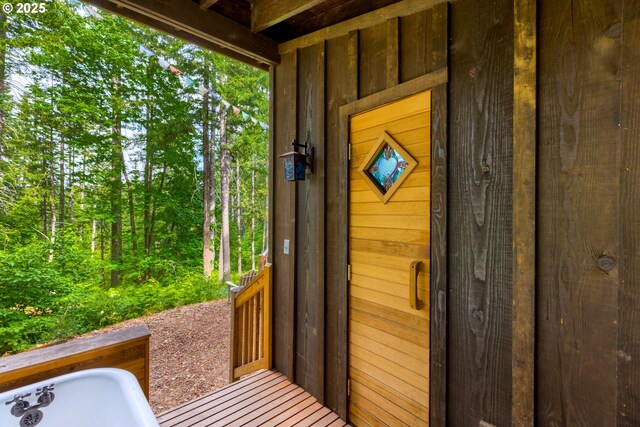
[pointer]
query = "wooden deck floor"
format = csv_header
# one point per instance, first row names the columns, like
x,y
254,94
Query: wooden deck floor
x,y
265,398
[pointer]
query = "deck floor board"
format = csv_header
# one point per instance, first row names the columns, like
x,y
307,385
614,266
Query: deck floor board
x,y
265,398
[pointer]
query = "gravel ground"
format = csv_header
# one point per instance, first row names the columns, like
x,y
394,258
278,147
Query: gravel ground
x,y
189,352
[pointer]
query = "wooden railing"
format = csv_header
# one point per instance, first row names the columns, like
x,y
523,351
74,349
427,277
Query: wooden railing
x,y
251,327
125,349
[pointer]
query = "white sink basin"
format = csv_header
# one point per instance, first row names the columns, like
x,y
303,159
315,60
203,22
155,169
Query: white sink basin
x,y
93,398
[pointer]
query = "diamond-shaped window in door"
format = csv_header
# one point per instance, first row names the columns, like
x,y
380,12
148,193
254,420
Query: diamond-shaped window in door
x,y
386,166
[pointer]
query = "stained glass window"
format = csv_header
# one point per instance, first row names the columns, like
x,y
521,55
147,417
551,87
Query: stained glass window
x,y
386,166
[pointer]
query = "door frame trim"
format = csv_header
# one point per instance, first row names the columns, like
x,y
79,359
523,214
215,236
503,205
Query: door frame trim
x,y
435,81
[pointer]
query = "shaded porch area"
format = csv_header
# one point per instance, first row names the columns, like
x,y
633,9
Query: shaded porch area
x,y
265,398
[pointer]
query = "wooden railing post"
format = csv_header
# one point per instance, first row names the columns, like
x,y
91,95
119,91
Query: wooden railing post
x,y
266,323
233,345
250,334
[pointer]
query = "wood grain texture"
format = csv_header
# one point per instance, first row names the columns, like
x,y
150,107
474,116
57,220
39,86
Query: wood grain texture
x,y
284,218
250,334
438,267
393,52
579,190
326,14
395,111
233,339
371,19
416,45
372,59
480,263
524,226
274,162
232,9
629,291
439,213
342,81
206,4
400,91
390,345
265,398
310,234
266,13
341,88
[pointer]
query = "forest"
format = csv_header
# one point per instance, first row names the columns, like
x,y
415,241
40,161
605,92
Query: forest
x,y
133,172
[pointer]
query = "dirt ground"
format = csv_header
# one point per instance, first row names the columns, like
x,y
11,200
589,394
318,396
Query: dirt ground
x,y
189,352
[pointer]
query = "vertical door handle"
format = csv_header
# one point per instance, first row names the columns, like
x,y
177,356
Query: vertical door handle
x,y
413,284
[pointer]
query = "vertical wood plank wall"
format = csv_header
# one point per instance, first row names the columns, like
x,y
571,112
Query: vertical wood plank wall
x,y
284,214
311,84
588,302
480,212
309,331
628,350
341,88
587,298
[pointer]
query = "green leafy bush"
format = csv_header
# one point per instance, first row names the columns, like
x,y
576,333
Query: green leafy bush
x,y
89,306
28,282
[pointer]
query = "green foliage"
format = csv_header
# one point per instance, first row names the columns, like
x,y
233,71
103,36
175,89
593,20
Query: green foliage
x,y
90,306
79,93
28,282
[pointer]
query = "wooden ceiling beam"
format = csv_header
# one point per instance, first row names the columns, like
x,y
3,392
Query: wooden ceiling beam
x,y
206,4
185,19
266,13
375,17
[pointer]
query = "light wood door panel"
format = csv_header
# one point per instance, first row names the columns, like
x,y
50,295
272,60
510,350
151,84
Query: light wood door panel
x,y
388,340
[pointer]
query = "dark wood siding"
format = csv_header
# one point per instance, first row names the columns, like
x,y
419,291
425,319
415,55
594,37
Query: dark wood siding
x,y
327,75
342,87
588,213
418,36
284,215
587,296
372,59
480,211
628,351
435,57
310,271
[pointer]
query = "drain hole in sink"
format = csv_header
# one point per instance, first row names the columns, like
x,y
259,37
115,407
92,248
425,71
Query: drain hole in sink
x,y
31,418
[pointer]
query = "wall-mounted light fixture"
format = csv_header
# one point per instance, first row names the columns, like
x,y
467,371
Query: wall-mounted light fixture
x,y
296,163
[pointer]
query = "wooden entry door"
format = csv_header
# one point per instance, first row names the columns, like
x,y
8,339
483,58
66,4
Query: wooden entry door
x,y
389,229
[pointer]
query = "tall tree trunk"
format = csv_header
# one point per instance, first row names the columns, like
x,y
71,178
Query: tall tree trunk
x,y
208,229
104,279
132,214
265,223
116,191
62,195
83,185
52,189
253,215
224,269
45,195
239,216
148,244
148,186
71,186
154,208
52,202
93,234
102,250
